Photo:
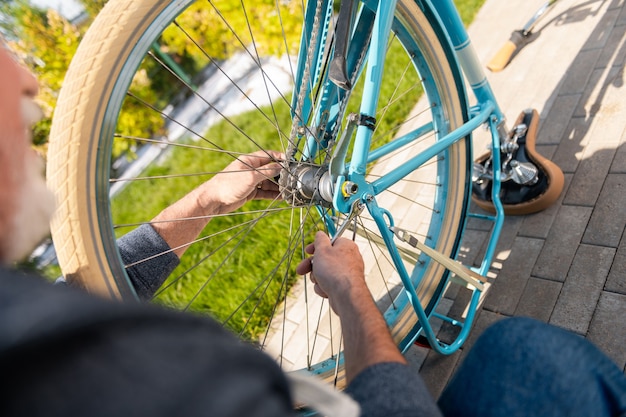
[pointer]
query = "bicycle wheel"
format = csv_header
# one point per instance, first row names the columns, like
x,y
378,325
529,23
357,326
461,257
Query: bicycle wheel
x,y
241,269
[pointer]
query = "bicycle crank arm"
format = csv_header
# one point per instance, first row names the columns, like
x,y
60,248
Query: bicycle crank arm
x,y
458,269
338,73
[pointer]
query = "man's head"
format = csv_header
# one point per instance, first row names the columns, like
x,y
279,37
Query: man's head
x,y
26,205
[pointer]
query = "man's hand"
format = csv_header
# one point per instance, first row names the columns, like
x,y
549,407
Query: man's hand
x,y
336,270
338,274
247,178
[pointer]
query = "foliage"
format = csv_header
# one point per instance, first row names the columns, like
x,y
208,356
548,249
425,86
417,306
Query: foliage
x,y
46,42
467,9
136,120
93,7
211,24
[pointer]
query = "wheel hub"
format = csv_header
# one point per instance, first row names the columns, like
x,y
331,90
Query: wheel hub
x,y
304,184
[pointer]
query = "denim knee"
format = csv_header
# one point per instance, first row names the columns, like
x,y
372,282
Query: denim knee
x,y
521,367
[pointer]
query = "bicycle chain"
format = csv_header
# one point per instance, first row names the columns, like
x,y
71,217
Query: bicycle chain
x,y
285,176
287,193
305,78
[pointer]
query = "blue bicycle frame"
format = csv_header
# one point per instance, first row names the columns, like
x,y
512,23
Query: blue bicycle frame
x,y
375,19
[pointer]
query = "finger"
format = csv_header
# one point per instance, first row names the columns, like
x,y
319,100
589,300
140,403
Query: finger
x,y
304,267
269,185
319,291
310,248
266,173
276,156
266,194
322,239
260,158
270,170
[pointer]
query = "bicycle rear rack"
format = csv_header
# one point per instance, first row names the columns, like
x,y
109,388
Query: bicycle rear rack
x,y
477,276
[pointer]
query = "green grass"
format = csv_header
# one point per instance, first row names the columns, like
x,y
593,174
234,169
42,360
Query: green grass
x,y
245,272
468,9
239,277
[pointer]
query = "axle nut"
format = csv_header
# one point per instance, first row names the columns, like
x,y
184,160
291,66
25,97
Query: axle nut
x,y
349,188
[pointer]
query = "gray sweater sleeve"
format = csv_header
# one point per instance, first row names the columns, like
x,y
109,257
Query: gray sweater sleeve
x,y
392,390
150,258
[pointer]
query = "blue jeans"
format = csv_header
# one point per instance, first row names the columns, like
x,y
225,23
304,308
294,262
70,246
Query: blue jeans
x,y
521,367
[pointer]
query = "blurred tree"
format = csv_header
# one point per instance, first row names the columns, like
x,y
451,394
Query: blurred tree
x,y
93,7
210,25
46,43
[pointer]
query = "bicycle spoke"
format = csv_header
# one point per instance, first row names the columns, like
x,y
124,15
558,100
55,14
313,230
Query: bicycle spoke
x,y
236,85
392,98
205,238
371,244
202,137
244,46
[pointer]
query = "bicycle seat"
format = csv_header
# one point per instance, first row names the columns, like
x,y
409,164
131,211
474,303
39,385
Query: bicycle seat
x,y
519,199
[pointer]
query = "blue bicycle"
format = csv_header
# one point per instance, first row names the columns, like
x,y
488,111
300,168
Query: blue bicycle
x,y
368,101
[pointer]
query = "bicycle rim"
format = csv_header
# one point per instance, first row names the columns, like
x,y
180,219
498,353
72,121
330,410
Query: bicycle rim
x,y
249,258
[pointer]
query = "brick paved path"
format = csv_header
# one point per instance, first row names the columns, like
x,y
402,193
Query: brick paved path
x,y
567,264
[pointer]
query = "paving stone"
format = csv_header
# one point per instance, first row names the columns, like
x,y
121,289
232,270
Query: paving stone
x,y
582,288
508,287
472,241
452,291
415,357
615,51
437,371
579,72
606,106
562,243
539,299
591,100
609,215
608,327
599,37
621,19
476,223
619,161
483,321
587,182
543,267
509,230
547,151
570,149
560,115
616,282
449,332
